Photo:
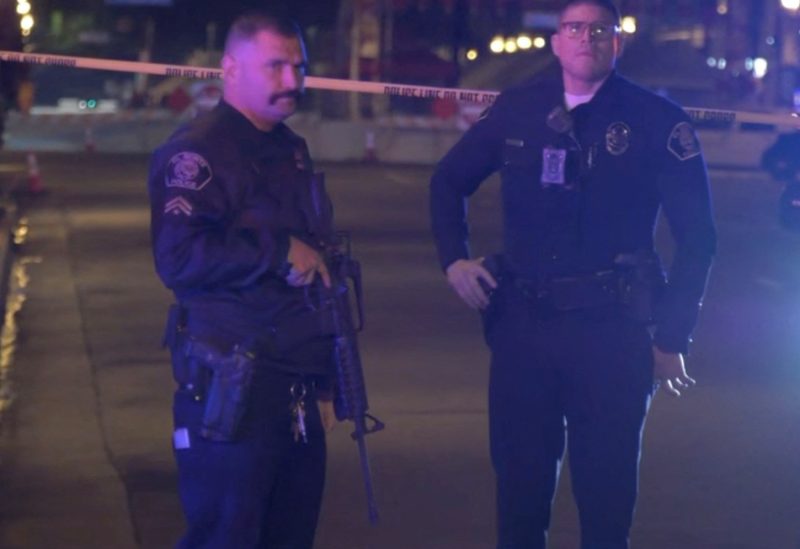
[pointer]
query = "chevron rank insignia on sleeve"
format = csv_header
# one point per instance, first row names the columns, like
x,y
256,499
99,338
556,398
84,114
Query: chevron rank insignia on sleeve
x,y
178,206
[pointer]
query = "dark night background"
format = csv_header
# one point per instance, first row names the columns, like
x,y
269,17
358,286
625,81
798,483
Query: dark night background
x,y
696,51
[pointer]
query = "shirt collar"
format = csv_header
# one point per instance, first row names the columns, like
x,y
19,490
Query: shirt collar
x,y
604,93
241,128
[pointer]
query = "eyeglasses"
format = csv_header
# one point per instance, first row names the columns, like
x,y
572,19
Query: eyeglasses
x,y
598,31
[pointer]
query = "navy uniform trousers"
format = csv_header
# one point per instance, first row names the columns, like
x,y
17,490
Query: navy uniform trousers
x,y
589,371
264,490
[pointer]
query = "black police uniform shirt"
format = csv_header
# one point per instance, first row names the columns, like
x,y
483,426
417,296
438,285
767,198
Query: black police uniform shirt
x,y
225,197
579,188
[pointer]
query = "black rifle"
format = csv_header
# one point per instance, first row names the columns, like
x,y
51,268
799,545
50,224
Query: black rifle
x,y
350,392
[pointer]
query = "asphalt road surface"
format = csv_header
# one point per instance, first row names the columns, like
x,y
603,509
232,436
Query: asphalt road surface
x,y
721,465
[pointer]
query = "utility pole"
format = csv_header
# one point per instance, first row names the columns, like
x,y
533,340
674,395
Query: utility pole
x,y
355,61
788,28
365,45
460,35
387,31
145,55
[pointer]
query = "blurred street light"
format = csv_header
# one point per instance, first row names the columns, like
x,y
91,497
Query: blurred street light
x,y
760,66
792,5
472,54
26,22
524,42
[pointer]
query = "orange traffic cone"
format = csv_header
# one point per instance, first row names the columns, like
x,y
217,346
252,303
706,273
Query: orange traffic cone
x,y
35,185
88,139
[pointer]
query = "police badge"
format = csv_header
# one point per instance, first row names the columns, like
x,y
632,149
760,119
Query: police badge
x,y
683,142
188,170
618,138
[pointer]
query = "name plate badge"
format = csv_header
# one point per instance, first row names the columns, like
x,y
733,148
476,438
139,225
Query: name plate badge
x,y
553,166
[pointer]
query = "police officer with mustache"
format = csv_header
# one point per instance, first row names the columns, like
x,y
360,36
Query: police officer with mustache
x,y
581,321
233,238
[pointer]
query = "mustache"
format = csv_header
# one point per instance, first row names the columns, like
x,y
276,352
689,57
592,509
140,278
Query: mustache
x,y
291,94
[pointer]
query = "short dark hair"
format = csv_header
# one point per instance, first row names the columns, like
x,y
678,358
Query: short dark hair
x,y
246,26
607,5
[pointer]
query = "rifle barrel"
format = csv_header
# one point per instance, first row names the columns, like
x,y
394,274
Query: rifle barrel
x,y
363,457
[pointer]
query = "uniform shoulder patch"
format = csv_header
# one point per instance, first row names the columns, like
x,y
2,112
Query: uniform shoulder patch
x,y
683,142
188,170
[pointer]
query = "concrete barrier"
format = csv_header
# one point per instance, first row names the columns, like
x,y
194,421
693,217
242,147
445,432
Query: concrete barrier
x,y
394,139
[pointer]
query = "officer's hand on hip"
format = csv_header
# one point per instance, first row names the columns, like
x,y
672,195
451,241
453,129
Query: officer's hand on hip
x,y
465,275
670,371
306,262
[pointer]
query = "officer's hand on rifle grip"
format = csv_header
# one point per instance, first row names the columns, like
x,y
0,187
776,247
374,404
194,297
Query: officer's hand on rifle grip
x,y
465,276
306,262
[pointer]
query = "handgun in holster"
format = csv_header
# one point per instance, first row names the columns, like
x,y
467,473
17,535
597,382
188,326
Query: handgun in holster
x,y
221,380
228,389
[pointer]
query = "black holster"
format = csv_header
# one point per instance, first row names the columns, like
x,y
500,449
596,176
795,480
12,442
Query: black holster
x,y
220,379
228,388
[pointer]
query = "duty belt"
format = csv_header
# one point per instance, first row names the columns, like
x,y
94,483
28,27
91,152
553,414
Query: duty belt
x,y
273,338
576,292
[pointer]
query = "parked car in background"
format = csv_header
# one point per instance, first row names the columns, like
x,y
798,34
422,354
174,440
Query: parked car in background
x,y
782,159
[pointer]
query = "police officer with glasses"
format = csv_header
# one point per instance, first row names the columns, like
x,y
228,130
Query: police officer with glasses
x,y
581,320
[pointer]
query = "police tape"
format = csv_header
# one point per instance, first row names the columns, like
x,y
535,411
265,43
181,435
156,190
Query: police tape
x,y
723,118
313,82
712,117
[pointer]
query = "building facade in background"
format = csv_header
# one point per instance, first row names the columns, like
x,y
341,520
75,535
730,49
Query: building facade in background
x,y
736,52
